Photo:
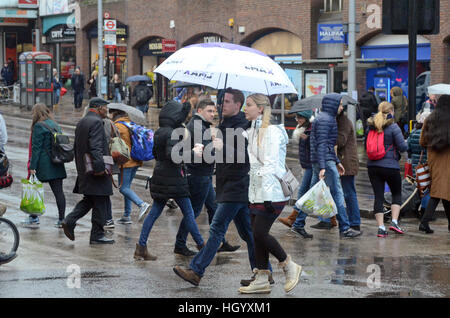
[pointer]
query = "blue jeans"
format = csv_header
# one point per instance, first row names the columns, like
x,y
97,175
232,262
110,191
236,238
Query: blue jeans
x,y
117,96
128,194
56,95
225,213
304,187
351,200
201,189
142,108
333,181
155,212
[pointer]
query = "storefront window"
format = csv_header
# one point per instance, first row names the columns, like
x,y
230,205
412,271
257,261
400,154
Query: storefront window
x,y
67,60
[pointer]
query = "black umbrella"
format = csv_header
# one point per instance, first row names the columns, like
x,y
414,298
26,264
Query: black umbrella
x,y
138,78
315,101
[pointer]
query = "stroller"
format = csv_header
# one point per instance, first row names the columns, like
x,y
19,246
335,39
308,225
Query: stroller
x,y
410,197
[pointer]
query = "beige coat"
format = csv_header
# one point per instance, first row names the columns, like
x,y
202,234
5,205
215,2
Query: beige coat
x,y
439,163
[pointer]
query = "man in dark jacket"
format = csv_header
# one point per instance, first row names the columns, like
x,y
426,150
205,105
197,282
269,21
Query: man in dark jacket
x,y
96,188
199,172
326,164
232,182
143,93
78,88
368,104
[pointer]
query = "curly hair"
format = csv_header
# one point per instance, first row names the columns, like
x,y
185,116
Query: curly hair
x,y
436,128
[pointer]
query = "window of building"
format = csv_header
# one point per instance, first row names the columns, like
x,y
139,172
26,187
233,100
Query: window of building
x,y
332,6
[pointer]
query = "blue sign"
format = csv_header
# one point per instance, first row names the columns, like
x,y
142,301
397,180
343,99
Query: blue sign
x,y
330,33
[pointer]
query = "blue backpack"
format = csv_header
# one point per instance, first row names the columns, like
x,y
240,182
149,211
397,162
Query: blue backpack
x,y
141,141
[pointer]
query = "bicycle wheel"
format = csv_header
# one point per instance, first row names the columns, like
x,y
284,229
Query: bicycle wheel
x,y
9,241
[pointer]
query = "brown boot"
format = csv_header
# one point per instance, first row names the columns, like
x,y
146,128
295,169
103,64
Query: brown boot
x,y
333,221
290,219
142,254
188,275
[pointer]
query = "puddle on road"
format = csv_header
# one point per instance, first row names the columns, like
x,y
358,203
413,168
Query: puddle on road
x,y
84,275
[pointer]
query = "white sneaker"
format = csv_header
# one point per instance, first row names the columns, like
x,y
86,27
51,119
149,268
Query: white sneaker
x,y
144,209
292,272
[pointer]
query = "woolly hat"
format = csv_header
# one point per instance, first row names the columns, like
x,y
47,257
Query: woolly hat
x,y
305,114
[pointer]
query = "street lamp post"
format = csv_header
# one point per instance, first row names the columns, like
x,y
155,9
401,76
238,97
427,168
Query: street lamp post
x,y
100,47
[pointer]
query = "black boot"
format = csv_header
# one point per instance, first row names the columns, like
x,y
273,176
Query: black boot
x,y
302,232
425,228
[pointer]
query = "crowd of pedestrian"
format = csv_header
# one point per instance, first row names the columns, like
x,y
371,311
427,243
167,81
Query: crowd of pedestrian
x,y
248,166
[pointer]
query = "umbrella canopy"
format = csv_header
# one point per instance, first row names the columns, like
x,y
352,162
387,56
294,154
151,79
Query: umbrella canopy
x,y
184,84
315,101
220,65
133,113
439,89
138,78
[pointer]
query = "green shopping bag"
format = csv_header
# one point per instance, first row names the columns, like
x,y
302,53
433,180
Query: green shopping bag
x,y
318,201
359,128
32,196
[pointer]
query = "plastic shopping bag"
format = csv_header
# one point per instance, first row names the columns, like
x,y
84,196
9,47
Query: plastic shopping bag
x,y
32,196
318,201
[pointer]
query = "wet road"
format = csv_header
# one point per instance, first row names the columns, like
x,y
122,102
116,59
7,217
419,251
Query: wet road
x,y
411,265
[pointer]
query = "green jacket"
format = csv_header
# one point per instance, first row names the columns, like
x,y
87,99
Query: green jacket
x,y
41,147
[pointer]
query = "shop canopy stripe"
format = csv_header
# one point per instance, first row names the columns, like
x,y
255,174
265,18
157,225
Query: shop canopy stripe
x,y
219,65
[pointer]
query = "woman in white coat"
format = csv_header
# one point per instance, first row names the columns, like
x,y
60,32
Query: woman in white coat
x,y
267,155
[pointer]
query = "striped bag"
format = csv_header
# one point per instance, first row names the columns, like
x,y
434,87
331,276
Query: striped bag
x,y
423,176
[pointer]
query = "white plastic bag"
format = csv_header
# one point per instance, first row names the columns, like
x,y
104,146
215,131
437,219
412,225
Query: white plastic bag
x,y
32,196
318,201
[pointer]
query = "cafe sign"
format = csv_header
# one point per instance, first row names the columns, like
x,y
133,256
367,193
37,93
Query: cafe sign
x,y
61,33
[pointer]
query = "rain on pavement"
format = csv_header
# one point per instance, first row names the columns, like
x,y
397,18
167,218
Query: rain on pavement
x,y
409,265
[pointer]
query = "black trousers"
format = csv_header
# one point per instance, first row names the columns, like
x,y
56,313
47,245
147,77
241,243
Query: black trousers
x,y
431,207
99,205
378,176
57,189
264,242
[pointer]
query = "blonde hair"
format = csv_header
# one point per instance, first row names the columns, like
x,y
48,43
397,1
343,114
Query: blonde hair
x,y
94,73
262,100
380,118
40,112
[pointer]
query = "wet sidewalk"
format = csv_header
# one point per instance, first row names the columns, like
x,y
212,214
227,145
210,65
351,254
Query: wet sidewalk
x,y
65,114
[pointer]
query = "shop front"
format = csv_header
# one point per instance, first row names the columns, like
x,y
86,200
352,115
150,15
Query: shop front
x,y
16,29
152,53
60,41
393,50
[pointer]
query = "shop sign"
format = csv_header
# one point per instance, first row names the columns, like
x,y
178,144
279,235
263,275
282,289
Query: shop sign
x,y
168,45
13,22
212,38
61,33
30,4
330,33
155,47
18,13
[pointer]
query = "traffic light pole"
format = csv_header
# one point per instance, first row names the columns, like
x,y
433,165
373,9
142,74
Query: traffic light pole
x,y
412,58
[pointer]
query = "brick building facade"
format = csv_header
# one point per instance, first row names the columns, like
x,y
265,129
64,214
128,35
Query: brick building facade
x,y
194,19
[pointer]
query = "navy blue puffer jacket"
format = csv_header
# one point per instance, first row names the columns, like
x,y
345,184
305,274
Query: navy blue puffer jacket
x,y
324,131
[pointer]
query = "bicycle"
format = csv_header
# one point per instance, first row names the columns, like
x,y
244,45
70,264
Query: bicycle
x,y
9,240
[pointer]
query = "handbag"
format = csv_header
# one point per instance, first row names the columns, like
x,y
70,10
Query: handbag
x,y
89,167
289,183
423,176
118,148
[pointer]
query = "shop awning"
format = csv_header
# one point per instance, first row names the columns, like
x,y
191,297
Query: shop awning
x,y
50,21
395,53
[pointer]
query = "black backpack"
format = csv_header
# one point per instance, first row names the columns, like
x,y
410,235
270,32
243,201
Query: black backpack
x,y
141,95
62,149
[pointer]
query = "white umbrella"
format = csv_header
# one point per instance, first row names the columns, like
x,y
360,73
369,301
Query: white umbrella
x,y
221,65
439,89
